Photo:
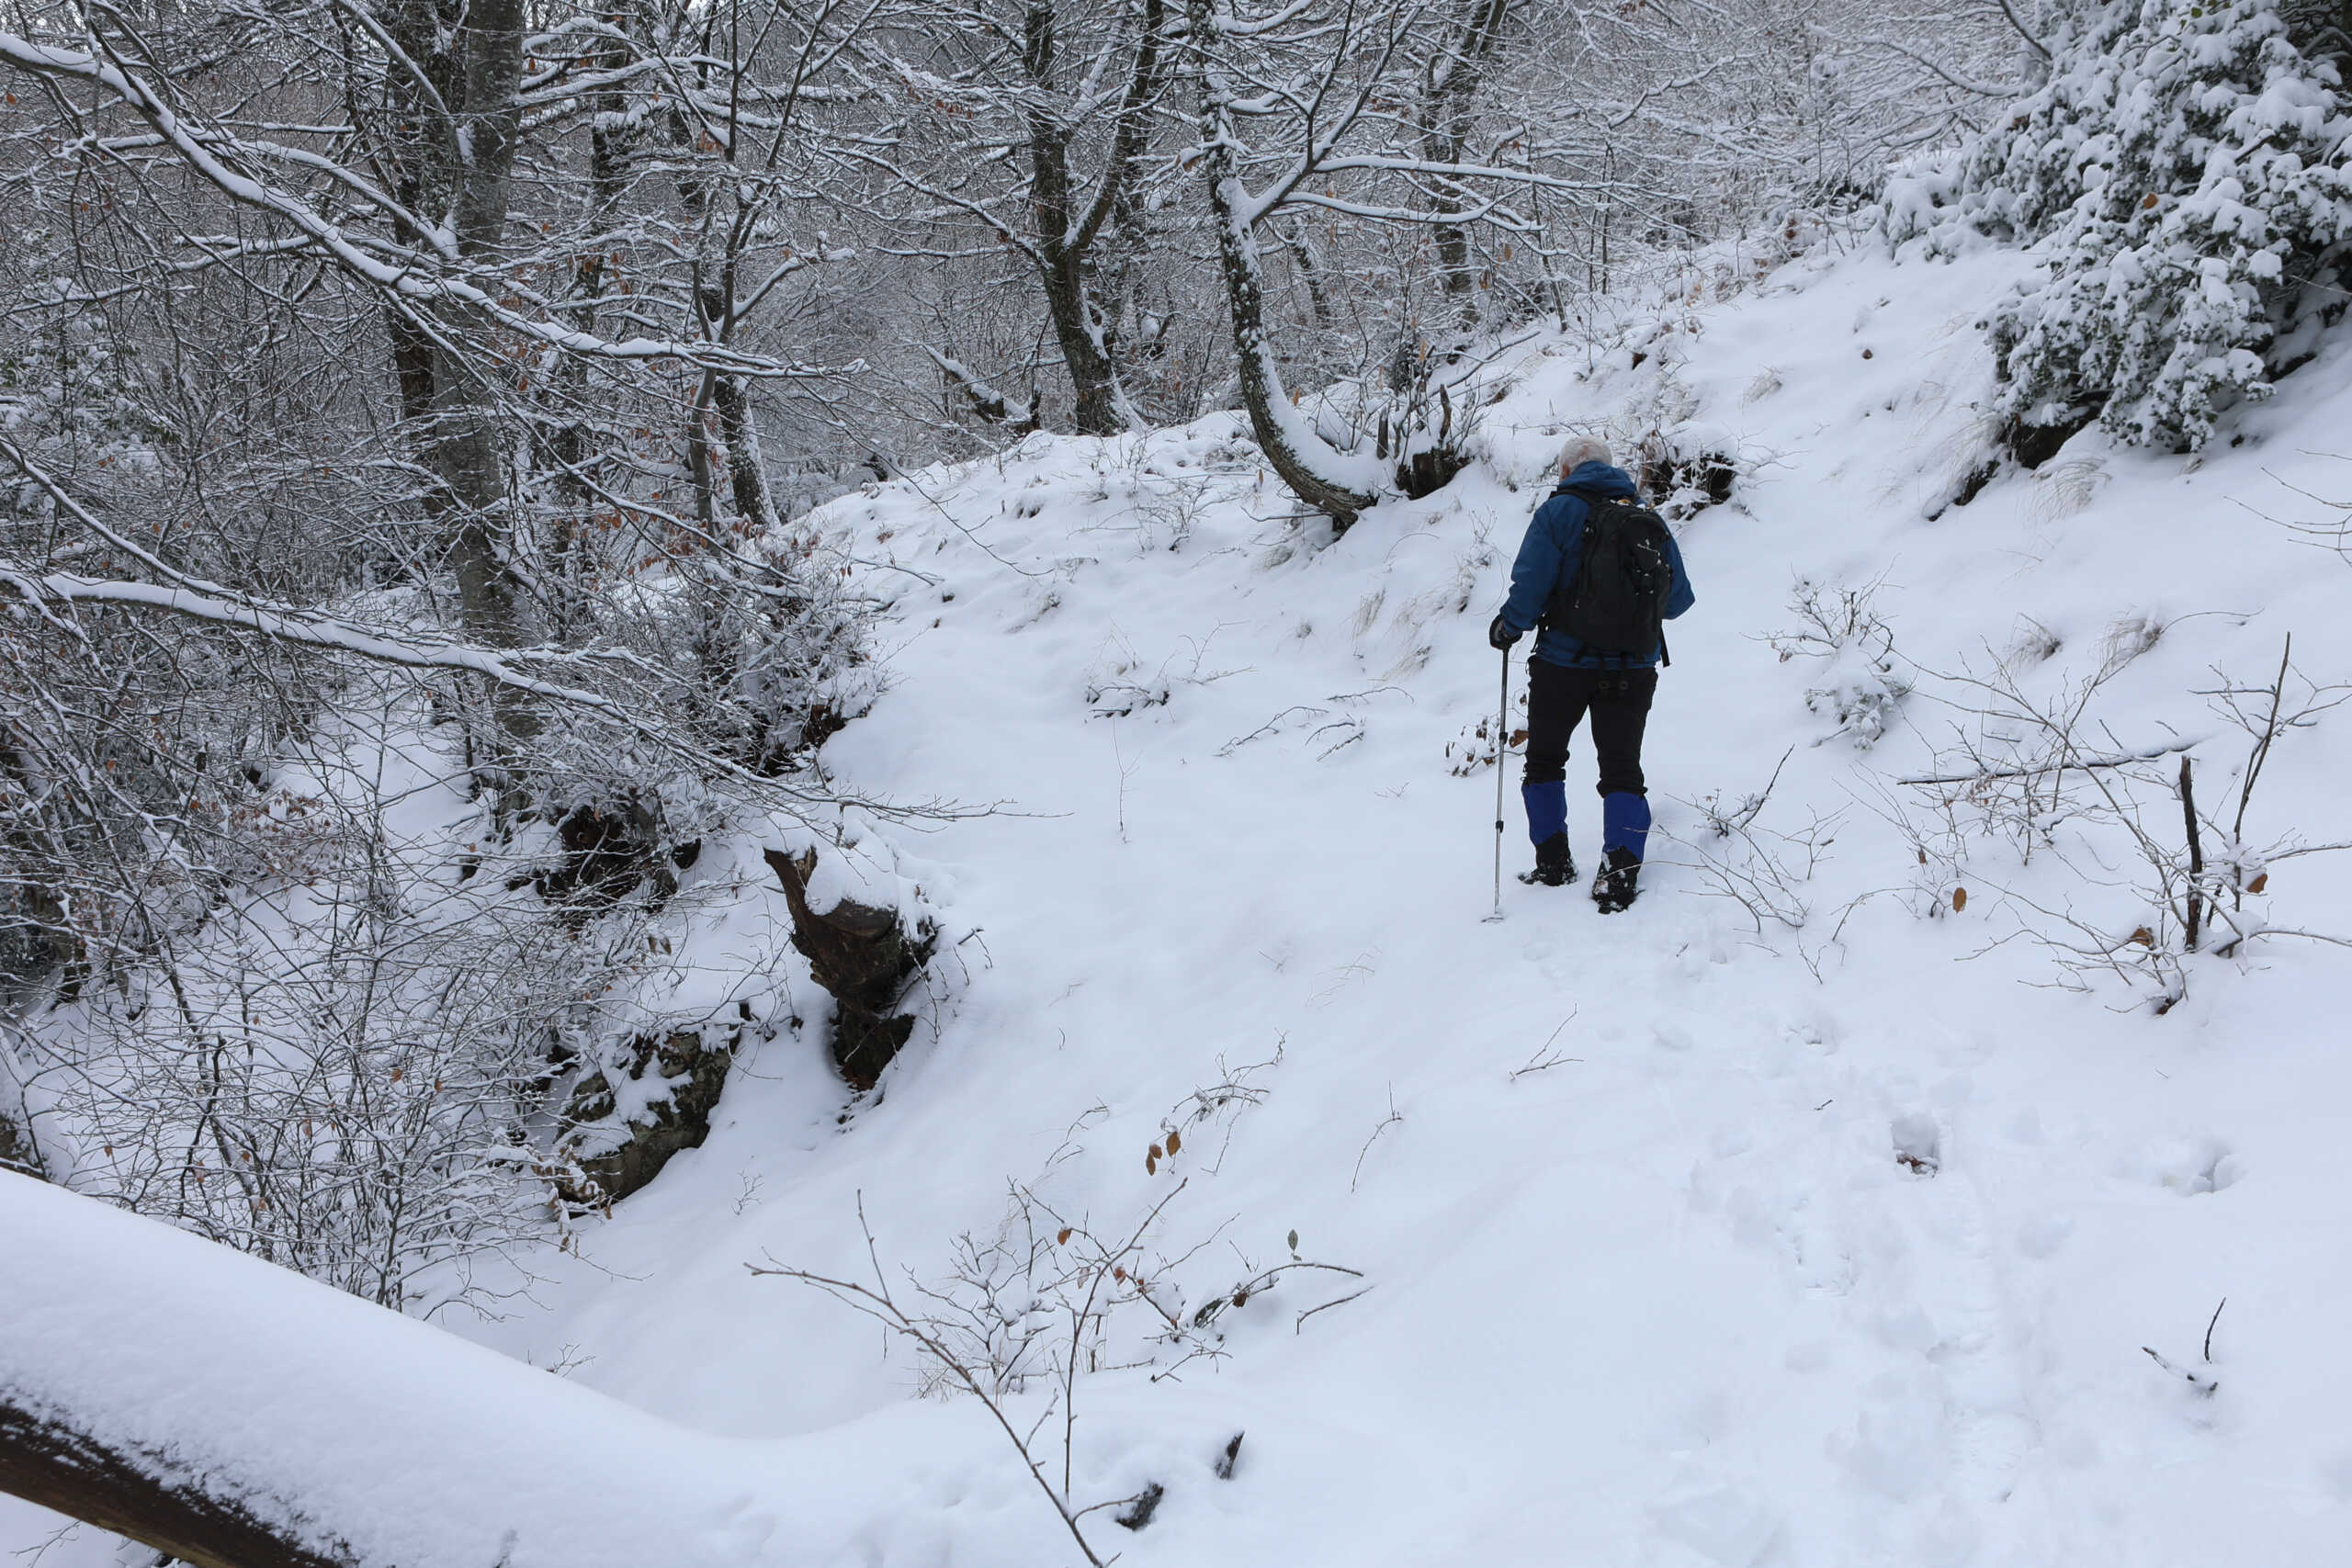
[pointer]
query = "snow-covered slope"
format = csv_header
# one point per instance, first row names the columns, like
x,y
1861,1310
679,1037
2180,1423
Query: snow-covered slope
x,y
1832,1242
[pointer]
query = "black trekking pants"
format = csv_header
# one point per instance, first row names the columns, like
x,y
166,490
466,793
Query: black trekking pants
x,y
1559,696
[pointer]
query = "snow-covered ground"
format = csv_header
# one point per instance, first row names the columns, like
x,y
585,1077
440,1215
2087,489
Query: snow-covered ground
x,y
1835,1241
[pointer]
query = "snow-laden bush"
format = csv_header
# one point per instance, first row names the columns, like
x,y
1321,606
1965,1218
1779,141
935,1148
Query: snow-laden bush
x,y
1856,686
2184,166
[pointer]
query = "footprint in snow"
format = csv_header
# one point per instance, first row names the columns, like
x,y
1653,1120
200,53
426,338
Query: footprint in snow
x,y
1918,1144
2191,1166
2041,1236
1723,1525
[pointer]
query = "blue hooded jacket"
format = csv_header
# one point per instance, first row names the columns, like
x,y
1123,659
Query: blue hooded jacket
x,y
1550,555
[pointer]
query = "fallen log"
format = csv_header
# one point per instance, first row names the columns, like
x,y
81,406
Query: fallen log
x,y
234,1415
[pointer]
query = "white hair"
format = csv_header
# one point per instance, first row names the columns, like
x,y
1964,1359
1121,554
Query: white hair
x,y
1583,449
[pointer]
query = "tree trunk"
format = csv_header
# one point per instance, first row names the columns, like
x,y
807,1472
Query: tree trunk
x,y
459,166
1452,81
1061,260
1079,331
612,140
1066,236
747,478
18,1151
1303,462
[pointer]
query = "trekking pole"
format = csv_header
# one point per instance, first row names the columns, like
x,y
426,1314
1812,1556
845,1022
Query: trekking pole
x,y
1502,756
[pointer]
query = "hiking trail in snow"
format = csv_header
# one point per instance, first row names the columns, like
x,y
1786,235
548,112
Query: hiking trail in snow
x,y
1687,1241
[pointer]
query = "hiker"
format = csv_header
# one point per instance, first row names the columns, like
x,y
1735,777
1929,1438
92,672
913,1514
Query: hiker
x,y
1600,574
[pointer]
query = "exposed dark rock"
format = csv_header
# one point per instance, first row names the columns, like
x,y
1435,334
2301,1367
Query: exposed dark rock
x,y
1429,470
864,958
1141,1506
1974,484
610,849
1432,469
1689,484
2034,444
614,1161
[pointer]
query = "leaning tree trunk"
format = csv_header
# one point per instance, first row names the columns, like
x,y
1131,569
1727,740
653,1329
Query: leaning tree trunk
x,y
232,1413
1301,458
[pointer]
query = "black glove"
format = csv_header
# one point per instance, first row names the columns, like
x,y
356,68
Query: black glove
x,y
1500,635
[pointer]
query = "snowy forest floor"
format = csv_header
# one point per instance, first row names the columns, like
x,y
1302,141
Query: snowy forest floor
x,y
1832,1242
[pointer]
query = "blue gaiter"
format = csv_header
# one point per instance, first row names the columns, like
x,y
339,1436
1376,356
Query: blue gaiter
x,y
1625,821
1547,810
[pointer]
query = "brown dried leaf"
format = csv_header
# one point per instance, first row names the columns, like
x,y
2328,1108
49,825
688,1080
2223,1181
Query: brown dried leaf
x,y
1063,1239
1175,1142
1958,899
1151,1163
2144,937
2259,883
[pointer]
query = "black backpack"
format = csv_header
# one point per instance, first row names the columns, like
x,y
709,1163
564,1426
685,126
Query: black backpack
x,y
1616,603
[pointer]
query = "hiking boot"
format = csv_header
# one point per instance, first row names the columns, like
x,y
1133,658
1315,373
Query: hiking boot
x,y
1555,867
1618,882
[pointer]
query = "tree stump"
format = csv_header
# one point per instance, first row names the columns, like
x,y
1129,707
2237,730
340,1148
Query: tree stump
x,y
864,958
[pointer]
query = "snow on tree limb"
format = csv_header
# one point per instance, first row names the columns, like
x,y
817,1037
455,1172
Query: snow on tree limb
x,y
285,624
414,277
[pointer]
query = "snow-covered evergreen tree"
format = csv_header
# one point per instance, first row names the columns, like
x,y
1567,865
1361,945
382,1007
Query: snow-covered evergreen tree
x,y
2184,165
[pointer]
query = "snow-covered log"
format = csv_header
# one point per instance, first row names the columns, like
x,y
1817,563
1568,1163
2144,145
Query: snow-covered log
x,y
235,1415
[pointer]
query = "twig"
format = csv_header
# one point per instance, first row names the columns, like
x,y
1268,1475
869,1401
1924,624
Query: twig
x,y
2076,763
2193,926
878,1304
2269,733
1300,1326
1536,1066
1266,728
1390,1120
1241,1294
2209,1329
2204,1386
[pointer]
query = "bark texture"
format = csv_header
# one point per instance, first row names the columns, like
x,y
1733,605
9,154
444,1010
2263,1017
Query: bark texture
x,y
1294,461
1447,89
864,958
454,126
147,1497
1069,225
